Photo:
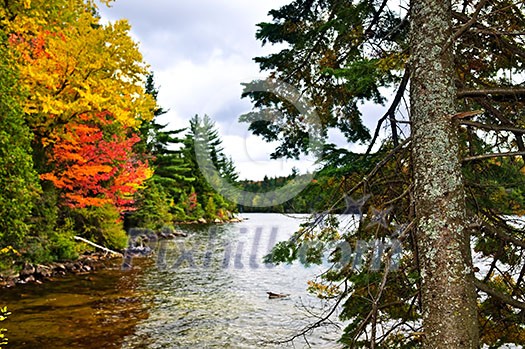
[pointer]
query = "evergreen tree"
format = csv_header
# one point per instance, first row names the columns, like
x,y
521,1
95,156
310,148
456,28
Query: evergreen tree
x,y
164,146
461,61
156,203
212,164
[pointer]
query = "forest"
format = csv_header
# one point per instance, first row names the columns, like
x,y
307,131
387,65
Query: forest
x,y
81,150
82,154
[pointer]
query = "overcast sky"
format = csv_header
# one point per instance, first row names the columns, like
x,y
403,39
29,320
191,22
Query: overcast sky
x,y
201,51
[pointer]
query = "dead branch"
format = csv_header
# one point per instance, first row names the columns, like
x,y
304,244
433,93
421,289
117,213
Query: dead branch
x,y
492,127
502,297
518,91
465,26
495,155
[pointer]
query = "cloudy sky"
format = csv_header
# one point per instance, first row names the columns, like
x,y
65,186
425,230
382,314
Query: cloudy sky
x,y
201,51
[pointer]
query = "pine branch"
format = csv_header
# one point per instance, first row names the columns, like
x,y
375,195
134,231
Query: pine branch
x,y
501,296
520,91
494,155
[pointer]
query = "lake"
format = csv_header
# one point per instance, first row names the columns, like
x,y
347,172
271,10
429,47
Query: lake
x,y
207,290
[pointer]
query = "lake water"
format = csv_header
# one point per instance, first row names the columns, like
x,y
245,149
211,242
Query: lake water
x,y
207,290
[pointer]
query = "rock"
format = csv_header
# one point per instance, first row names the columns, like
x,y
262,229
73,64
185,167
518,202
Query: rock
x,y
202,221
138,251
166,233
217,220
27,270
59,267
43,271
235,220
30,278
180,233
69,266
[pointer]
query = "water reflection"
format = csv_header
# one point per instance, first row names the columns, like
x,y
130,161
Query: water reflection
x,y
84,311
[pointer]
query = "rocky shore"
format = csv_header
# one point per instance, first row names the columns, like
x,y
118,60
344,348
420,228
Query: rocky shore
x,y
39,273
214,221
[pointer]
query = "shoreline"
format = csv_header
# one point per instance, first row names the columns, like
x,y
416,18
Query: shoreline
x,y
86,263
40,273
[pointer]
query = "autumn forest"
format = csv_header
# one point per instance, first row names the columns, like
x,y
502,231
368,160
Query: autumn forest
x,y
80,147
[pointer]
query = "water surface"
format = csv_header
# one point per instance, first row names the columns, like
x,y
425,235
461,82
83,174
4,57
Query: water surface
x,y
204,291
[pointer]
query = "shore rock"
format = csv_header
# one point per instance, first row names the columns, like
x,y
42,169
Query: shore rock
x,y
30,273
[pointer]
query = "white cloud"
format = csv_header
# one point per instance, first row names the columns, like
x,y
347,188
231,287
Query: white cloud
x,y
201,51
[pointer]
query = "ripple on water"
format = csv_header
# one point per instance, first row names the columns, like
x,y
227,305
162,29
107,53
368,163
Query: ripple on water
x,y
221,302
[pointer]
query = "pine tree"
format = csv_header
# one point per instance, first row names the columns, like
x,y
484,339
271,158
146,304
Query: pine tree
x,y
461,60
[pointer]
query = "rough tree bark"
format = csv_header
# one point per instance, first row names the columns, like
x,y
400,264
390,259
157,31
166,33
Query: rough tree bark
x,y
448,293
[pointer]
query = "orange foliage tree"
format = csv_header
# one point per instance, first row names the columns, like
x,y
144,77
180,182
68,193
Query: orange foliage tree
x,y
92,168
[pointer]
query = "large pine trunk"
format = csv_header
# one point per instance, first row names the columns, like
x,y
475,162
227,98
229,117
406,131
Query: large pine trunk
x,y
448,293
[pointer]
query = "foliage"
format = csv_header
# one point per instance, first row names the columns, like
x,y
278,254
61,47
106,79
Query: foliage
x,y
18,179
153,208
3,315
94,169
203,134
75,118
102,225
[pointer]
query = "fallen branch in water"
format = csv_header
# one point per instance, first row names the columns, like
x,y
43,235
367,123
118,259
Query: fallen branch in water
x,y
98,246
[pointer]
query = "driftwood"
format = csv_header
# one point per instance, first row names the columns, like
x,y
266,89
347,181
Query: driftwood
x,y
98,246
273,295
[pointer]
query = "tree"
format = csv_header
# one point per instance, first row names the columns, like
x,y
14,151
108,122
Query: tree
x,y
94,169
156,201
83,101
18,178
448,293
461,63
203,137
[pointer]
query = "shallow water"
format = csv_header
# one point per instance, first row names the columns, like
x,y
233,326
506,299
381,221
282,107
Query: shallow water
x,y
204,291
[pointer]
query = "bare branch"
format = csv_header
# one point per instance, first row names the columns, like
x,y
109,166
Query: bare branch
x,y
519,91
495,155
492,127
308,329
511,46
465,26
390,114
502,297
504,120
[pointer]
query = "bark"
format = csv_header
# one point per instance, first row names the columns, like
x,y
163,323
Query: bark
x,y
448,291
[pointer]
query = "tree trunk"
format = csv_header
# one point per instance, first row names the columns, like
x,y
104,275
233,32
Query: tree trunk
x,y
448,293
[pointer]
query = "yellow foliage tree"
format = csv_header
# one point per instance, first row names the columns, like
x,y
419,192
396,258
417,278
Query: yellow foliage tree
x,y
73,65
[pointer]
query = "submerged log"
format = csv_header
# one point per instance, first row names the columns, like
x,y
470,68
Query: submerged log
x,y
273,295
